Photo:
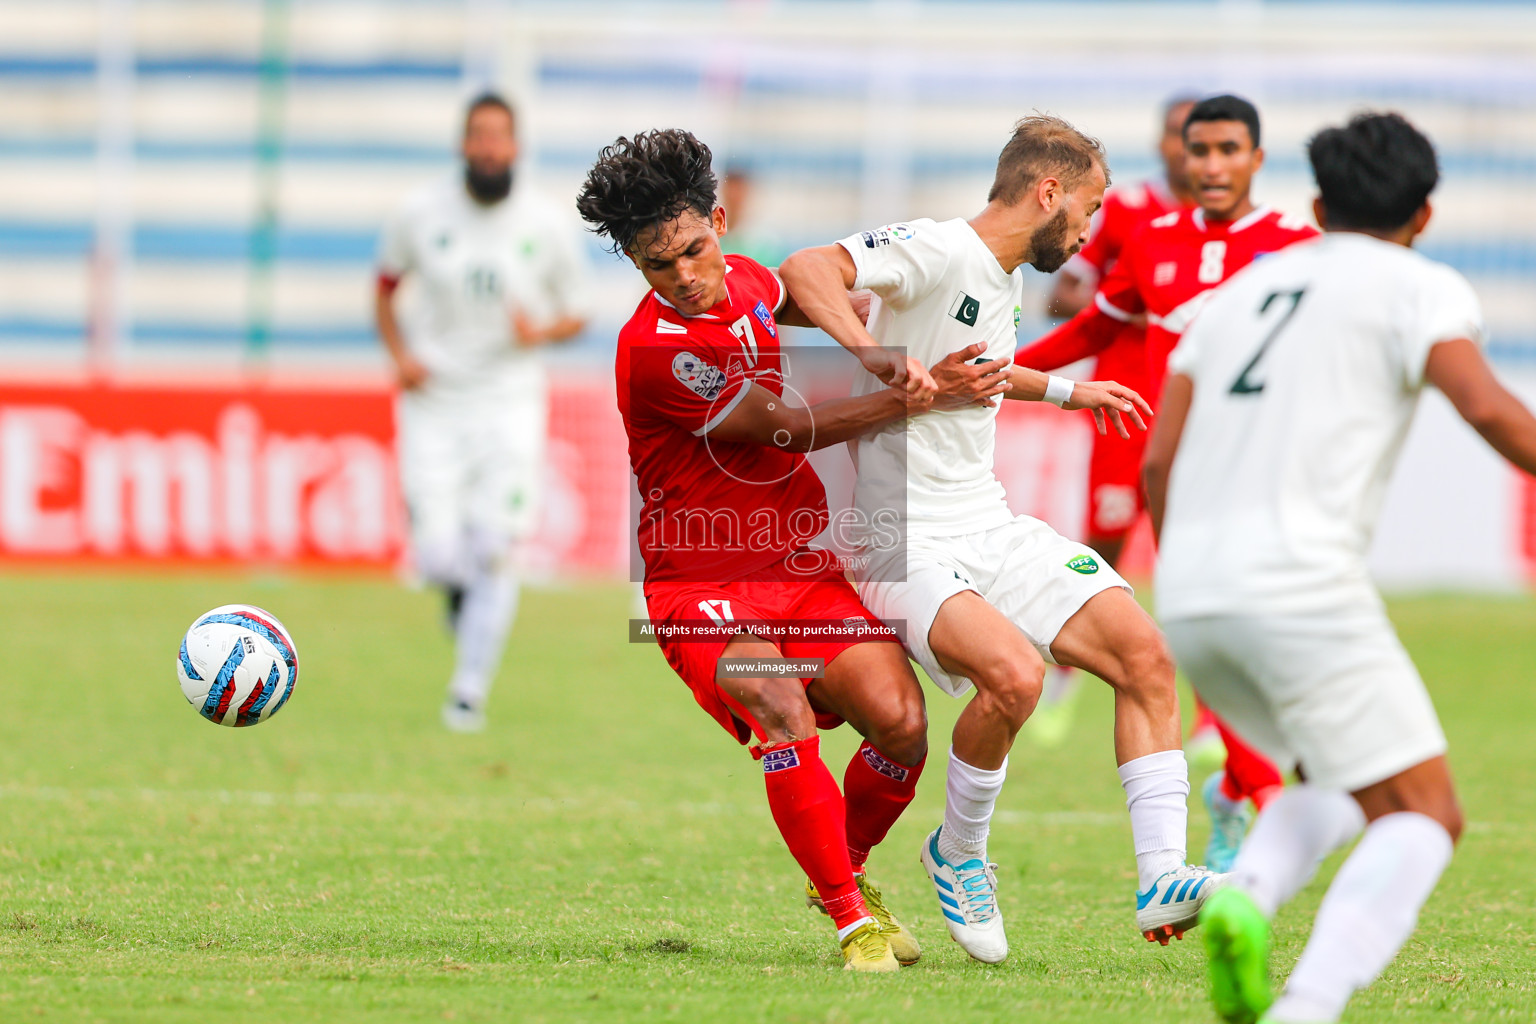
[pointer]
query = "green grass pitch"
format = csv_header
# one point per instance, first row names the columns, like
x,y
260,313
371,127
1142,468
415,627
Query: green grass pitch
x,y
604,852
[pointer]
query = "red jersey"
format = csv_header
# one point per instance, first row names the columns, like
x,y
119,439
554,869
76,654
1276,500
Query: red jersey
x,y
713,511
1124,211
1163,270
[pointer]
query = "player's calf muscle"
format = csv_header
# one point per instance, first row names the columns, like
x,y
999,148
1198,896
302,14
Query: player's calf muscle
x,y
1425,789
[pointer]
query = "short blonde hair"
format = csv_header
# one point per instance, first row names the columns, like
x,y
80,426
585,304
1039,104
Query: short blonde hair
x,y
1045,146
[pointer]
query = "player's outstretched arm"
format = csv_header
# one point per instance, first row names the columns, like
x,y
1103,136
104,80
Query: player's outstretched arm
x,y
1459,370
1163,445
761,417
818,281
1086,334
1110,402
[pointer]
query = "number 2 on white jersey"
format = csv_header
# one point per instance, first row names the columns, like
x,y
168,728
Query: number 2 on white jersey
x,y
1245,385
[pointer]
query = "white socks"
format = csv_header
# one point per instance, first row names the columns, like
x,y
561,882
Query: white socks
x,y
485,618
1292,835
970,796
1157,795
1369,912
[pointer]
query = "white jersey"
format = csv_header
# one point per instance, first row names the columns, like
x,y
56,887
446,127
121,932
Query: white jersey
x,y
940,289
473,266
1307,368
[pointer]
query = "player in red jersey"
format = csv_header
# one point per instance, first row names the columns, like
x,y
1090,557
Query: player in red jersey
x,y
1164,273
1114,463
729,504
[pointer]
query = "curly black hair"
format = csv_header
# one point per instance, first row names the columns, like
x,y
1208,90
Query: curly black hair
x,y
645,181
1374,173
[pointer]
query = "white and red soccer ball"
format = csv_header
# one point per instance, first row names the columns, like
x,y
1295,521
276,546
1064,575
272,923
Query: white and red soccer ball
x,y
237,665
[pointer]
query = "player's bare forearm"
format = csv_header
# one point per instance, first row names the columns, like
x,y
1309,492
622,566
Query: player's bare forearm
x,y
1110,402
818,281
1459,370
530,334
409,371
1086,334
761,417
1163,445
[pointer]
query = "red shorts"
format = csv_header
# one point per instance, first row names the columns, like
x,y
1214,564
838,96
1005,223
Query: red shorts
x,y
773,594
1114,468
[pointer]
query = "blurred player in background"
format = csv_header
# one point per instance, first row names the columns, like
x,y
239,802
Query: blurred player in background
x,y
1165,271
1288,402
495,273
729,504
988,597
1114,466
739,199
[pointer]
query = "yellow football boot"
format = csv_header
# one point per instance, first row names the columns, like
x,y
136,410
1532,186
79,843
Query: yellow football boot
x,y
866,949
903,943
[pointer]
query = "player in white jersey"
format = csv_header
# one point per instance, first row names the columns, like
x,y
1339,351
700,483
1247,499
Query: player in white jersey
x,y
987,597
493,274
1286,406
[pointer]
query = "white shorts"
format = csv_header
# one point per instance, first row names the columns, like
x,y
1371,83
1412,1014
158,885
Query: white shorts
x,y
1334,694
1037,578
471,468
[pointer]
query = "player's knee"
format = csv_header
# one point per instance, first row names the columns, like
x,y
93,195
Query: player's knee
x,y
1012,687
780,707
902,733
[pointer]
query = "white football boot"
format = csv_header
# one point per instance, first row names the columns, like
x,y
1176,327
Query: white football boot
x,y
462,716
968,899
1172,905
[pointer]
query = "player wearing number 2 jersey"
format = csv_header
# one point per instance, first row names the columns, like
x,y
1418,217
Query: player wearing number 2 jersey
x,y
1287,404
1166,270
729,504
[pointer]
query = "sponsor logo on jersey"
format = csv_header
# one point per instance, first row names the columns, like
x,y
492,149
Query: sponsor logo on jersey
x,y
890,769
765,318
663,327
965,309
1167,220
1018,316
886,235
1085,564
697,376
778,760
1164,273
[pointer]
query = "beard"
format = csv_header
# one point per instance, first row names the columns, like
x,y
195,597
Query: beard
x,y
1049,244
488,187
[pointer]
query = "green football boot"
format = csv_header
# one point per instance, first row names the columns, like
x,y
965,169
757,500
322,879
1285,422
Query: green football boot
x,y
1237,939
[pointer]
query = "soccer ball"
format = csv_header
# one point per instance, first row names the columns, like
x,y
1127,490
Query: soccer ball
x,y
238,665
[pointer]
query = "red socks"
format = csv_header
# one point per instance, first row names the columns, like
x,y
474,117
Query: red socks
x,y
876,790
1249,773
810,814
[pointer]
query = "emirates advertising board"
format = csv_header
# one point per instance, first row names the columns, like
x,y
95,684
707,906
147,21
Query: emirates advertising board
x,y
305,476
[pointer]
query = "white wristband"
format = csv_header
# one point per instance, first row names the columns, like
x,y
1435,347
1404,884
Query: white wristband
x,y
1058,390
